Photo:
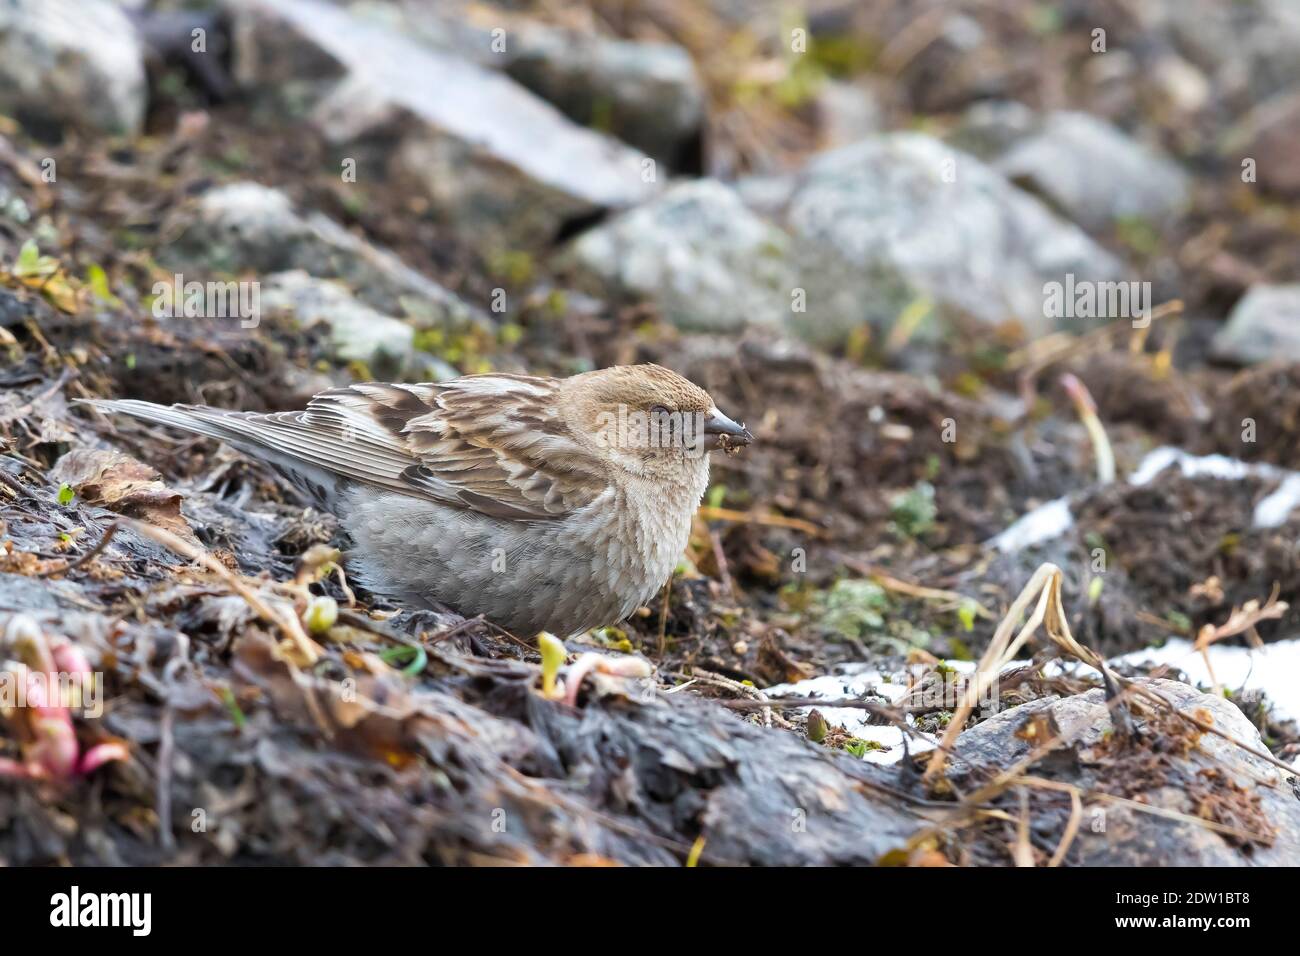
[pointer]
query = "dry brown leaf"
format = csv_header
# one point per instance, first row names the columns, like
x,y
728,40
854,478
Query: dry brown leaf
x,y
122,484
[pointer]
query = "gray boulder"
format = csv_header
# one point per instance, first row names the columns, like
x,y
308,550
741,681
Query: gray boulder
x,y
901,216
1094,173
1263,326
872,233
710,263
1211,778
713,265
72,61
497,163
647,94
357,333
247,227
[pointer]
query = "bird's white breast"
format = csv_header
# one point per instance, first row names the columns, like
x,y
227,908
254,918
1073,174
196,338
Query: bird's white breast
x,y
588,569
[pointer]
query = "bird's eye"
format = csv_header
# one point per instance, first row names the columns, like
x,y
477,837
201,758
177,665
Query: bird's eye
x,y
661,428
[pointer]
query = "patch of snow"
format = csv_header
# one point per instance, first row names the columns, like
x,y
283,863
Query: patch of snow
x,y
1194,466
862,682
1272,669
1273,511
1053,519
1034,527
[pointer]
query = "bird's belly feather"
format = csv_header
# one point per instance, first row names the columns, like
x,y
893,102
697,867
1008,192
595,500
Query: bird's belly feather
x,y
592,568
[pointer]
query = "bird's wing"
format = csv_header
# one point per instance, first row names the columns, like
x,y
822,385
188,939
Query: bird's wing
x,y
493,443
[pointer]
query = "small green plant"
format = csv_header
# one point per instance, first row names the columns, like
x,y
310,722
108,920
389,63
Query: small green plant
x,y
553,654
512,266
966,612
860,748
413,655
914,511
817,727
854,607
1138,234
97,280
322,613
1094,589
232,707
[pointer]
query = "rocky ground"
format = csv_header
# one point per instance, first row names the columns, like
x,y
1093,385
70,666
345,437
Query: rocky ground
x,y
846,222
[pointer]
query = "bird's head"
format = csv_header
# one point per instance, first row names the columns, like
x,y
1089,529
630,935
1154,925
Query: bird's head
x,y
648,420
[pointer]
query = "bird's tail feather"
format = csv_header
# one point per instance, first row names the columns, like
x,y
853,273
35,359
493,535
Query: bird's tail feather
x,y
237,429
189,418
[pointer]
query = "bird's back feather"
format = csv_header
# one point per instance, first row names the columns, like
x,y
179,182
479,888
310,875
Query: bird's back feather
x,y
494,444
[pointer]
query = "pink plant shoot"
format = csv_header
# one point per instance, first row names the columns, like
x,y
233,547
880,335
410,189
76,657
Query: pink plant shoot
x,y
42,724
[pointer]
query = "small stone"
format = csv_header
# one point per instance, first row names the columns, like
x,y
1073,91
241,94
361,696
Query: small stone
x,y
1270,136
1264,326
358,333
847,113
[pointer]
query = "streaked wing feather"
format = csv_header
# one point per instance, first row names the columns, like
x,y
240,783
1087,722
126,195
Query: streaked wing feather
x,y
492,443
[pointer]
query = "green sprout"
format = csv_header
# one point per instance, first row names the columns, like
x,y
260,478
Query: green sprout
x,y
321,614
966,612
816,726
860,748
553,654
396,655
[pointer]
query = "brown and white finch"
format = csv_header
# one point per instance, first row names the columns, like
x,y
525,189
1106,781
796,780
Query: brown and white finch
x,y
544,504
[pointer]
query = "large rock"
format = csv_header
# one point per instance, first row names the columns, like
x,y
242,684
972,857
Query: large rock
x,y
873,232
1201,775
498,163
357,333
1264,326
902,216
709,262
71,61
246,227
647,94
1094,173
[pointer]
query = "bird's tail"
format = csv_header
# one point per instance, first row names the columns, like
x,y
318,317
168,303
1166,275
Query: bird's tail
x,y
244,431
189,418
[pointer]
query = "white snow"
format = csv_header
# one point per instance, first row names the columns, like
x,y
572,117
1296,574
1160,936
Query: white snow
x,y
1054,518
1273,669
1036,526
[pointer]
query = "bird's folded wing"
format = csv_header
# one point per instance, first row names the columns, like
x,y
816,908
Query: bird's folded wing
x,y
494,444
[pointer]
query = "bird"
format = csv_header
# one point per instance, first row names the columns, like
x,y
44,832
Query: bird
x,y
544,504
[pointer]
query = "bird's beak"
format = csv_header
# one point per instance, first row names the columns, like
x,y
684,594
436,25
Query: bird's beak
x,y
721,432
